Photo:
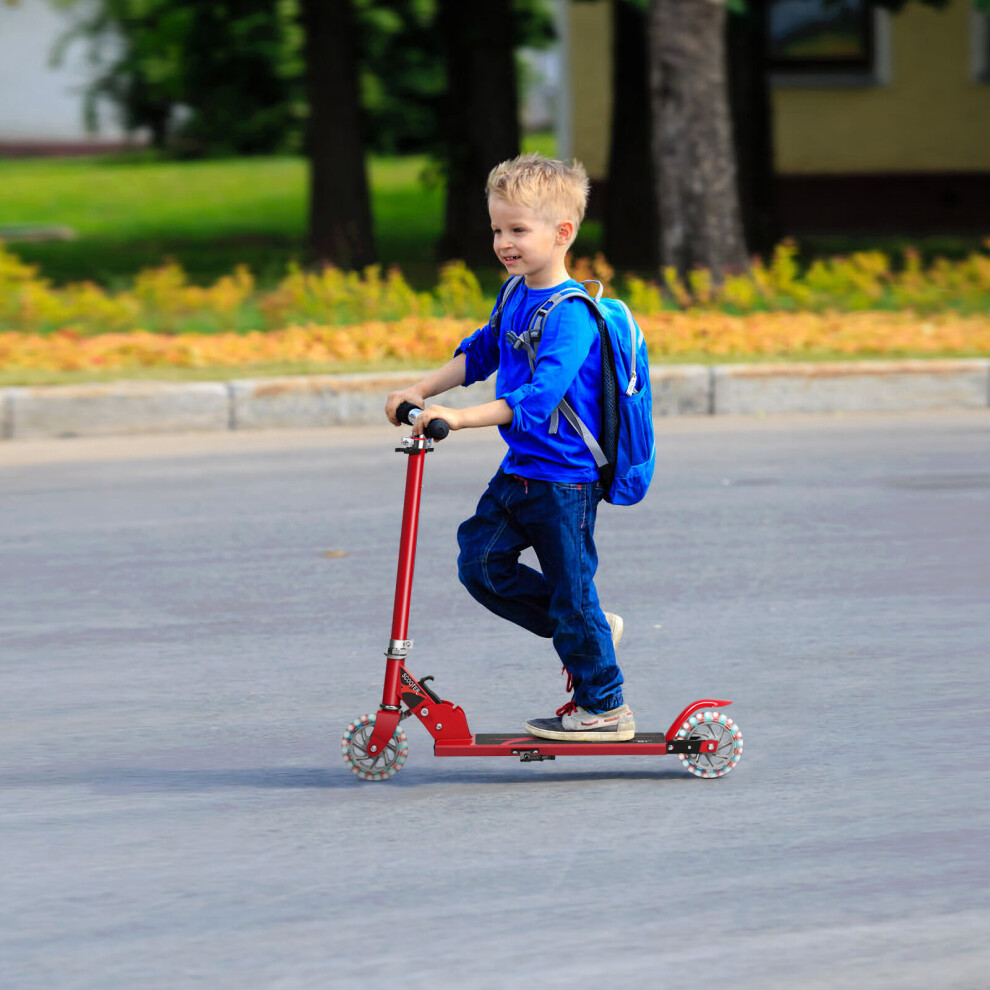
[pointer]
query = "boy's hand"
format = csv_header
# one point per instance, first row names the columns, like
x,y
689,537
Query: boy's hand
x,y
395,399
447,377
452,417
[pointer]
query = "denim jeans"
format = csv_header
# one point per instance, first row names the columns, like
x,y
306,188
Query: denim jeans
x,y
558,521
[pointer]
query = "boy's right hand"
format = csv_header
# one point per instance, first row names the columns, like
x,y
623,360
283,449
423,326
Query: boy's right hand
x,y
395,399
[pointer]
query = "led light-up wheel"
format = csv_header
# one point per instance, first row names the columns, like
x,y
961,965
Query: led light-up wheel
x,y
728,743
372,766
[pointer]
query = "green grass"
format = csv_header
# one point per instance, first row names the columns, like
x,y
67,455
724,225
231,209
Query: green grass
x,y
210,215
132,212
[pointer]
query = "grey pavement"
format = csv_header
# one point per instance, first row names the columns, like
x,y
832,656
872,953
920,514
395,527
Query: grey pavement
x,y
308,401
188,623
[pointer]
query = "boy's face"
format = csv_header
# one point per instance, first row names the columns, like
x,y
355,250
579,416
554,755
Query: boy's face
x,y
529,244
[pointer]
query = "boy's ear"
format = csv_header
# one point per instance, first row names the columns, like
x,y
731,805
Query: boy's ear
x,y
565,231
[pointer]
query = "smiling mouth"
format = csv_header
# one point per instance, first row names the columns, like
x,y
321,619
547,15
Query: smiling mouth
x,y
510,259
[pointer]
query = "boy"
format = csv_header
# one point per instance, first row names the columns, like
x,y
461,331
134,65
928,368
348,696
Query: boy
x,y
546,492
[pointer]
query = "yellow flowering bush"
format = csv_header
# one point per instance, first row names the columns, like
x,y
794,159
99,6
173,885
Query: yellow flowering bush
x,y
864,280
163,300
858,306
342,297
165,295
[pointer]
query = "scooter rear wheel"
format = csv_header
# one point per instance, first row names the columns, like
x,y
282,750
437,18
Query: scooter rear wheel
x,y
372,766
729,743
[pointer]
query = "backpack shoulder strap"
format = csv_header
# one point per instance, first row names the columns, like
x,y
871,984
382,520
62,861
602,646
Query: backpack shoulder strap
x,y
535,330
590,441
594,281
508,287
530,339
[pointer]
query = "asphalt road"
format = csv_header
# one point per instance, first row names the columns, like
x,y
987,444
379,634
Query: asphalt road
x,y
187,625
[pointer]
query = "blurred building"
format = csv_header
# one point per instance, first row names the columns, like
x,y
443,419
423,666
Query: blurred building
x,y
880,121
41,103
540,92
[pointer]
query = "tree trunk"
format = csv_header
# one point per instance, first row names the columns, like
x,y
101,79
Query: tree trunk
x,y
752,124
340,230
480,118
692,139
631,237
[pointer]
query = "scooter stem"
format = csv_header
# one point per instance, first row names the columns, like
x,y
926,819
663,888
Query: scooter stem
x,y
404,573
407,544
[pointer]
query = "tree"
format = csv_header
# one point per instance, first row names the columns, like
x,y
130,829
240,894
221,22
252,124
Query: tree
x,y
693,154
480,110
750,103
441,78
340,229
631,234
402,75
226,77
203,78
633,214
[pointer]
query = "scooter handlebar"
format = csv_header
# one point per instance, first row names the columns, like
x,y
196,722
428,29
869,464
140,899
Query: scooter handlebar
x,y
436,429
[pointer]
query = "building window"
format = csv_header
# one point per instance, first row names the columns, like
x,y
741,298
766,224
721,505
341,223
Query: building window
x,y
980,34
827,42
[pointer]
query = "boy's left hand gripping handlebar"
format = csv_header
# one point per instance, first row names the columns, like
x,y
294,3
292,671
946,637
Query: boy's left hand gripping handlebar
x,y
436,429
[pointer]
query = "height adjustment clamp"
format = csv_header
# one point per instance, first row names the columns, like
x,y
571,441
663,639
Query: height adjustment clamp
x,y
415,445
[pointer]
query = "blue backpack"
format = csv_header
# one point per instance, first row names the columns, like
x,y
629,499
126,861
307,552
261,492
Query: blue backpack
x,y
625,452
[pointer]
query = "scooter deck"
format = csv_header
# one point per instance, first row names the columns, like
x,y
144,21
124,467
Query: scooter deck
x,y
528,747
507,738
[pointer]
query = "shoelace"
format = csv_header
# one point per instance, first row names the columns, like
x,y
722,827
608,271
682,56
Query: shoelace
x,y
569,706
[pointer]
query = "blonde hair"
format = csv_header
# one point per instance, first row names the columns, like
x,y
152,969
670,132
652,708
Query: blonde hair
x,y
556,190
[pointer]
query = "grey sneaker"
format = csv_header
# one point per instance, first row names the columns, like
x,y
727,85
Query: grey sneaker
x,y
615,624
574,724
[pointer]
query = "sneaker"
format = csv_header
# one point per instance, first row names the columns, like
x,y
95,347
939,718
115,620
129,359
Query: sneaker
x,y
616,626
574,724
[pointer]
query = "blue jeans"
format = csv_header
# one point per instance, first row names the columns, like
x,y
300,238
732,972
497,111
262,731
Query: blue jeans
x,y
558,521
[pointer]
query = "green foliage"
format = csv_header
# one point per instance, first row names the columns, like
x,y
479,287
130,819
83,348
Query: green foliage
x,y
534,23
227,77
402,74
214,78
403,78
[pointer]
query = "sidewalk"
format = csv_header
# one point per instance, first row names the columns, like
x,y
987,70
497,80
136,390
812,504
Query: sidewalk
x,y
133,407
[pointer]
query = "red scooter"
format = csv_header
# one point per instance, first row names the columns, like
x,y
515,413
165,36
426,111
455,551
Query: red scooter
x,y
375,747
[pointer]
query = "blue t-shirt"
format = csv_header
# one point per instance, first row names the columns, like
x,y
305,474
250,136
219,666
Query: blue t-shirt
x,y
568,363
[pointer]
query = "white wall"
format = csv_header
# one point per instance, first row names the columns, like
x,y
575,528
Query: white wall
x,y
39,102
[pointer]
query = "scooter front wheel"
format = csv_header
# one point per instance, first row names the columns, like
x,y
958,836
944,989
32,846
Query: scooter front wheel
x,y
728,743
372,766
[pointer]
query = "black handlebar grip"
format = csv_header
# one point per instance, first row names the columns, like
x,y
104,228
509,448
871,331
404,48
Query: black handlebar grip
x,y
436,429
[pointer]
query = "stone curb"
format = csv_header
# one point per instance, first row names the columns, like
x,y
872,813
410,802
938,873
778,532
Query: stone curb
x,y
133,407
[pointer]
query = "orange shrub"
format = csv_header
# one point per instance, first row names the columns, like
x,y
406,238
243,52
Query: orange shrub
x,y
424,341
